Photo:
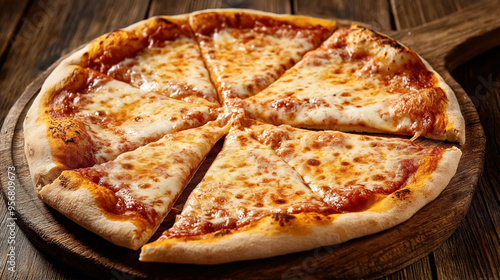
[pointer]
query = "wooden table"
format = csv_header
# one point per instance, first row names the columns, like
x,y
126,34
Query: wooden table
x,y
34,34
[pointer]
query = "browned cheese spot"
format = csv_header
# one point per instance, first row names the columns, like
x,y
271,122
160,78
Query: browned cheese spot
x,y
402,194
313,162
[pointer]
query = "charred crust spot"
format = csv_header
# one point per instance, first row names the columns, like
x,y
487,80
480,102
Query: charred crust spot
x,y
403,193
238,19
222,232
282,219
63,130
162,20
64,181
381,39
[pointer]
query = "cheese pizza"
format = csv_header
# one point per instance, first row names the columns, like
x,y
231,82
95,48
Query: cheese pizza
x,y
298,191
159,55
126,199
247,51
360,80
120,127
83,117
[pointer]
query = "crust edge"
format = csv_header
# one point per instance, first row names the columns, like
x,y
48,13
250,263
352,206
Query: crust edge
x,y
63,198
303,19
455,130
37,149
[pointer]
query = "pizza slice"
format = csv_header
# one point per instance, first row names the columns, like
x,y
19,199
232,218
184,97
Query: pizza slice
x,y
359,80
86,118
125,200
159,55
245,51
354,172
252,205
246,183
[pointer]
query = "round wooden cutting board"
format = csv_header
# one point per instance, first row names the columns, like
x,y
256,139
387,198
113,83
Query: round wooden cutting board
x,y
445,44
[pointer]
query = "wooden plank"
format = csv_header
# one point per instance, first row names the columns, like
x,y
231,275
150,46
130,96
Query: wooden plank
x,y
420,269
55,28
417,12
29,265
479,235
375,13
451,41
173,7
472,252
10,17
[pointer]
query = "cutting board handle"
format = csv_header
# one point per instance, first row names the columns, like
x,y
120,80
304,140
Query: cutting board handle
x,y
453,40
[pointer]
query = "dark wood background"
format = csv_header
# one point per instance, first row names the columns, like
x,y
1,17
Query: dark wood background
x,y
34,34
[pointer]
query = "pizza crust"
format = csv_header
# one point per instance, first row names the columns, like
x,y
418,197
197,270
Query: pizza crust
x,y
42,167
455,129
273,236
76,57
64,196
295,19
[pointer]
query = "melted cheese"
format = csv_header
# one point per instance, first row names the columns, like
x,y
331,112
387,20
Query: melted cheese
x,y
120,117
243,62
174,69
340,167
152,176
246,182
353,82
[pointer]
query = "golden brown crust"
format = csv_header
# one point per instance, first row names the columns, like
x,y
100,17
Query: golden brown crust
x,y
40,146
67,191
455,127
117,45
207,20
282,234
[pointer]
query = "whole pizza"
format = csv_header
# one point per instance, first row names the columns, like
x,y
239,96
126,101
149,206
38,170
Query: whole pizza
x,y
317,122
